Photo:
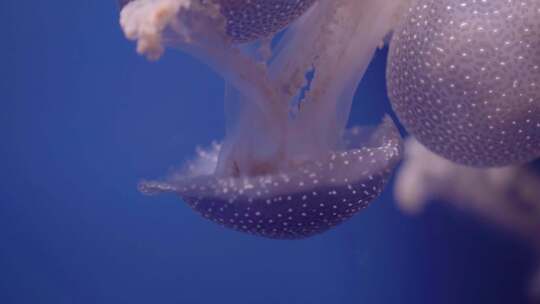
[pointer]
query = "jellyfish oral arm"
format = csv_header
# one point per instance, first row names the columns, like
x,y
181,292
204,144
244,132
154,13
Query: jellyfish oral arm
x,y
335,39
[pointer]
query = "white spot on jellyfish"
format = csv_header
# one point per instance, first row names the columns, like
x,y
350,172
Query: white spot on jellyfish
x,y
476,69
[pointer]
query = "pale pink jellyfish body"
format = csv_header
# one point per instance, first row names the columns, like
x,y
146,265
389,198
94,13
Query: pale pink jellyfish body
x,y
288,168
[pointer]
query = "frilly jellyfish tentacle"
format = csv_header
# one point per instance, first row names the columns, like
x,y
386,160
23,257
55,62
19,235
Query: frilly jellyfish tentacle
x,y
308,200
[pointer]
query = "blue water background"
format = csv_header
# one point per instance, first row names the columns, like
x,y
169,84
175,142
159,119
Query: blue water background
x,y
83,118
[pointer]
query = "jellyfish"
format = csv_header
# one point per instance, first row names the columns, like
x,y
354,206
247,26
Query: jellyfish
x,y
288,167
464,79
508,197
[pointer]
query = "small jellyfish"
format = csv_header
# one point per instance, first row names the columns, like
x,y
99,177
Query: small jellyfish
x,y
464,79
288,168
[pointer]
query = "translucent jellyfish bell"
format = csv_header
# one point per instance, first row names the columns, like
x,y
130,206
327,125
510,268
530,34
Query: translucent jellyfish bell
x,y
287,168
464,79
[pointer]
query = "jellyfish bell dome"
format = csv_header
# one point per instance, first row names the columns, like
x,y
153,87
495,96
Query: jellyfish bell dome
x,y
464,79
249,20
294,203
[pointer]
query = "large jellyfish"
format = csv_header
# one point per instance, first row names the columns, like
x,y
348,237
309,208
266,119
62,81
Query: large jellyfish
x,y
464,79
288,168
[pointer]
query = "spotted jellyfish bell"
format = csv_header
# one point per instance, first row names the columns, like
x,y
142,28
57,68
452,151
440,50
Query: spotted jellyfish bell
x,y
304,201
248,20
464,79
